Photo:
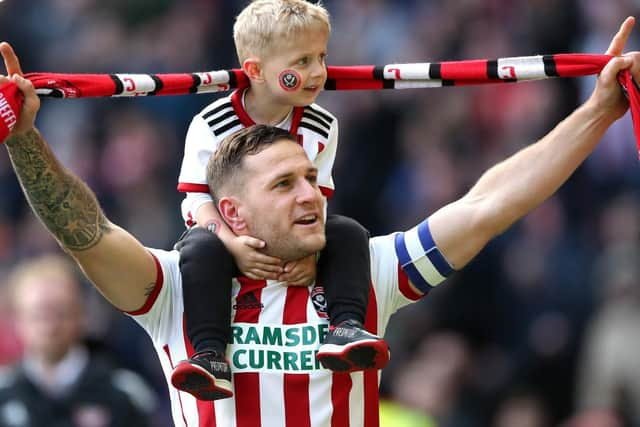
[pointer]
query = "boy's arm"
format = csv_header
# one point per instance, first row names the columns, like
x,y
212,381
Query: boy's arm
x,y
200,144
120,267
244,249
207,216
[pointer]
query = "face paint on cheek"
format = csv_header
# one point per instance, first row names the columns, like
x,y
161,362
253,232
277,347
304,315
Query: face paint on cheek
x,y
289,80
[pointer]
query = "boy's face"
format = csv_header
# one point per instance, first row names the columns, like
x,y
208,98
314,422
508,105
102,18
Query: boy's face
x,y
295,72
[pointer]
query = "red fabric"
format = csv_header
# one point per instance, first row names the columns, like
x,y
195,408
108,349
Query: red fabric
x,y
10,102
358,77
464,70
74,85
371,394
577,64
358,84
633,95
355,77
297,411
360,72
248,383
206,409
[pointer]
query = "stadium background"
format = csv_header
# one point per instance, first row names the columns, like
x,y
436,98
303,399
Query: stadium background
x,y
506,335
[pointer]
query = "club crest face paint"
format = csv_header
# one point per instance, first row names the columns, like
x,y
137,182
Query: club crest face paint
x,y
289,80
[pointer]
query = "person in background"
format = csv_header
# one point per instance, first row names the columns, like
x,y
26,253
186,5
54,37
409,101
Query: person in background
x,y
58,381
609,370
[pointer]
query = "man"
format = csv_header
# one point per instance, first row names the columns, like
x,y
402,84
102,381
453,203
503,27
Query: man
x,y
59,381
266,188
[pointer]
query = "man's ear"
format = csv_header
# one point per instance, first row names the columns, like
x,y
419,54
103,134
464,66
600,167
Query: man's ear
x,y
253,69
229,208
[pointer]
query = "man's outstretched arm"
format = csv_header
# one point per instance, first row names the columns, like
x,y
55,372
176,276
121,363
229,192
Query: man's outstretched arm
x,y
120,267
65,205
514,187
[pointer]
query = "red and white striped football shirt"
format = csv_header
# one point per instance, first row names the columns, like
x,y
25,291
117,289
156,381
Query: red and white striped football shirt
x,y
276,332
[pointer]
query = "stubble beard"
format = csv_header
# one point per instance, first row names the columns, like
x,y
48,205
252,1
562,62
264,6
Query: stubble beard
x,y
289,247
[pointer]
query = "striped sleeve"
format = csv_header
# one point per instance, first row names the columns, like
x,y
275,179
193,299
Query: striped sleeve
x,y
405,266
190,205
420,259
163,309
325,125
207,129
200,143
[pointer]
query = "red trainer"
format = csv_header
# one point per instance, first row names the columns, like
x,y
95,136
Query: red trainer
x,y
348,347
206,375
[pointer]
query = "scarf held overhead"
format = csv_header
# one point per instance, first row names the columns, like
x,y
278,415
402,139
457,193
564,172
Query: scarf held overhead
x,y
358,77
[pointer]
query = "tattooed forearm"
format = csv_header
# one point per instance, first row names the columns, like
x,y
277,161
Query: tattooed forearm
x,y
66,206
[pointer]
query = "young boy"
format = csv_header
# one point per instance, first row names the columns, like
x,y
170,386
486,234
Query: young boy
x,y
281,45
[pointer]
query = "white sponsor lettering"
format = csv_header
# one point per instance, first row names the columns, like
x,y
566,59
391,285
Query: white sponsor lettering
x,y
6,112
277,348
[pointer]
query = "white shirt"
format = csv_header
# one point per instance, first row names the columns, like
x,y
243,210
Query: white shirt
x,y
315,128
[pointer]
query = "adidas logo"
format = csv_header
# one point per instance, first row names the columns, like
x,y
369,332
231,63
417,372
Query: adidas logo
x,y
247,301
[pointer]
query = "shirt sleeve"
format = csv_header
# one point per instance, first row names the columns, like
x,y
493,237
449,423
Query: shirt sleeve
x,y
163,309
405,266
325,159
200,143
190,205
388,279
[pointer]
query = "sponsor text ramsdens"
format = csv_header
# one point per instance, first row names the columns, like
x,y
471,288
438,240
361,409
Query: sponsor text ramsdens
x,y
281,348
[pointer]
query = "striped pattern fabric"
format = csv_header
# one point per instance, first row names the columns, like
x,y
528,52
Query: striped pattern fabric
x,y
420,259
463,73
315,128
357,77
218,119
276,331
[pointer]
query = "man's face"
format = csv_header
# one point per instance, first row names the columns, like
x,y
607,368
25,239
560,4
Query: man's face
x,y
281,203
296,72
49,317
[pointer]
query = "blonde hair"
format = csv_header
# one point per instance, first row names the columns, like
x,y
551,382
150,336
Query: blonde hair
x,y
52,267
264,23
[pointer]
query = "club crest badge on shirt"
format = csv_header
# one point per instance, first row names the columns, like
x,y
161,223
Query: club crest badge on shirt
x,y
319,301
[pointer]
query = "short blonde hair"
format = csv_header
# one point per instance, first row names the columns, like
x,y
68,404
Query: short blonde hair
x,y
264,23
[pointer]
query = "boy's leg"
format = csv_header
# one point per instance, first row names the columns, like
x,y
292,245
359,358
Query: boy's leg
x,y
207,270
344,271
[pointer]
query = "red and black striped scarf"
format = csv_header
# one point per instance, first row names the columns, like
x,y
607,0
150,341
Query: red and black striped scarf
x,y
358,77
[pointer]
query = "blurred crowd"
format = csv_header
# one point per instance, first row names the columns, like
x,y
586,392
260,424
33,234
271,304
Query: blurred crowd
x,y
540,330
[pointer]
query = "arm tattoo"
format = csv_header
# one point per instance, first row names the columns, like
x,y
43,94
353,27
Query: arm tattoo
x,y
66,206
149,289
